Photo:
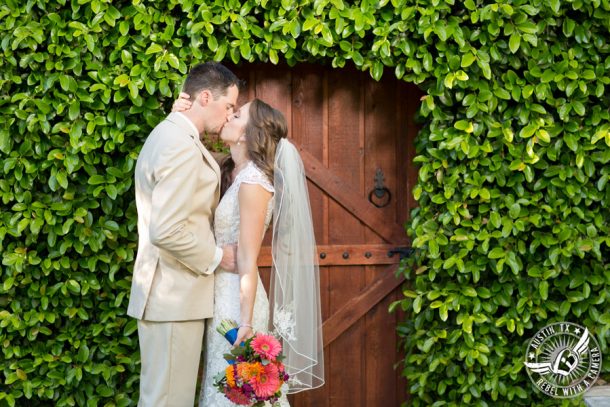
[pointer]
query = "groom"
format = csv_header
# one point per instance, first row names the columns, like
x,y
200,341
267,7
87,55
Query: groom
x,y
177,190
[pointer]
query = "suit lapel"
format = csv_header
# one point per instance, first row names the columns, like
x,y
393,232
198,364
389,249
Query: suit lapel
x,y
180,120
209,158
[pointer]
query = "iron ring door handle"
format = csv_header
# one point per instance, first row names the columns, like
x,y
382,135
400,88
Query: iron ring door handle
x,y
380,193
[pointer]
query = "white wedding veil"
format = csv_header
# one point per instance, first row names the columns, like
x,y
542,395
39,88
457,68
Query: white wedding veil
x,y
295,283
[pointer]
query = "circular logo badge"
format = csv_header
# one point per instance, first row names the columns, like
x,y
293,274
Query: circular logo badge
x,y
563,360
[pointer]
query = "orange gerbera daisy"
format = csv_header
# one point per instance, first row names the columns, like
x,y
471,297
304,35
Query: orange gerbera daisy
x,y
249,370
230,373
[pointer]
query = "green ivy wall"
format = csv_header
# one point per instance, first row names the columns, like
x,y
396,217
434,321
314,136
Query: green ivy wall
x,y
512,230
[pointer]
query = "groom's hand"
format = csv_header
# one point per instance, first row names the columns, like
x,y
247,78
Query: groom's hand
x,y
229,255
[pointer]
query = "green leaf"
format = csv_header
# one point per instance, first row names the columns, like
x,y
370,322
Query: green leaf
x,y
112,191
548,76
449,79
578,107
245,50
601,183
441,30
173,61
543,288
153,49
514,210
68,83
600,134
497,253
464,126
495,219
514,42
212,43
74,110
461,76
377,70
564,308
83,354
104,390
73,286
528,131
62,179
469,291
309,23
122,80
543,135
467,59
502,93
485,68
111,225
96,179
443,313
417,304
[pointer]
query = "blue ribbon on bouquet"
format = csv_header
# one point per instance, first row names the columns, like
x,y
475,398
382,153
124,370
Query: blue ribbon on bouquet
x,y
231,336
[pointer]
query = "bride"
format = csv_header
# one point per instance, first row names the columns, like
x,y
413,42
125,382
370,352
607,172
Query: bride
x,y
263,179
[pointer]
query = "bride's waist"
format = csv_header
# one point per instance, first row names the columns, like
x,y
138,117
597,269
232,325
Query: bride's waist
x,y
221,271
224,241
225,274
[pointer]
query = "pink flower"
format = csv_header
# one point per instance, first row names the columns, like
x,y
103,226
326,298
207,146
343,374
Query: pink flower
x,y
267,383
266,346
237,397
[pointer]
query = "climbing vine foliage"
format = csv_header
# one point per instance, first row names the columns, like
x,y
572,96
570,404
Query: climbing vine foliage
x,y
512,227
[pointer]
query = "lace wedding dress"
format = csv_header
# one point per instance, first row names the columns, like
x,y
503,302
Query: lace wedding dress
x,y
226,289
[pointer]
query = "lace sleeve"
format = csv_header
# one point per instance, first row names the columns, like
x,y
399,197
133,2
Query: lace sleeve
x,y
253,175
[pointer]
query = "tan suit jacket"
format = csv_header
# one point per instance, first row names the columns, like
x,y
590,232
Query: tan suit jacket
x,y
177,190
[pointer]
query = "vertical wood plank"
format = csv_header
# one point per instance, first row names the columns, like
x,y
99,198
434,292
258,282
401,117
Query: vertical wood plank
x,y
308,127
273,88
381,135
363,116
324,398
310,130
343,153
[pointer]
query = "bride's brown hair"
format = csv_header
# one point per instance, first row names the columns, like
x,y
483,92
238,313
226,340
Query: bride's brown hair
x,y
265,128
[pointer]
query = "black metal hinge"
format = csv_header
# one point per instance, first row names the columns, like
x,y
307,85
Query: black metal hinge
x,y
403,252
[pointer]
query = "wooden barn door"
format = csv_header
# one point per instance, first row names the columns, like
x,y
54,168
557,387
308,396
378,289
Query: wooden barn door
x,y
354,134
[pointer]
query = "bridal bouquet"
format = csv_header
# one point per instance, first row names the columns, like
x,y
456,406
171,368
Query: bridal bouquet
x,y
255,373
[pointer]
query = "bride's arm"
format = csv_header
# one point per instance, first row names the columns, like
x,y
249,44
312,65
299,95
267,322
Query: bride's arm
x,y
253,200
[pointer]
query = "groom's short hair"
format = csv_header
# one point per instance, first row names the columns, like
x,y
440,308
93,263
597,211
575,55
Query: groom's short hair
x,y
213,76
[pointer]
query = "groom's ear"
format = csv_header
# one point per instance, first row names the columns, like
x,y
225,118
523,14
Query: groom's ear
x,y
204,97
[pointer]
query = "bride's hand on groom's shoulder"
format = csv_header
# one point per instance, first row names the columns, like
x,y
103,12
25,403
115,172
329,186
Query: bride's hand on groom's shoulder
x,y
229,258
182,103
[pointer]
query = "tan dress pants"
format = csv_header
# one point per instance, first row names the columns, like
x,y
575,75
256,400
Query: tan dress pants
x,y
170,353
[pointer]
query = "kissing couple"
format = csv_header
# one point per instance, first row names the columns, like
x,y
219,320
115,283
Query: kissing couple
x,y
200,229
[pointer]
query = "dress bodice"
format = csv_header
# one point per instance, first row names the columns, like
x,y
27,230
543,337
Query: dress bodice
x,y
226,218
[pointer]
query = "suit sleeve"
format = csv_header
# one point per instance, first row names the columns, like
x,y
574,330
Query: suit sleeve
x,y
173,205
